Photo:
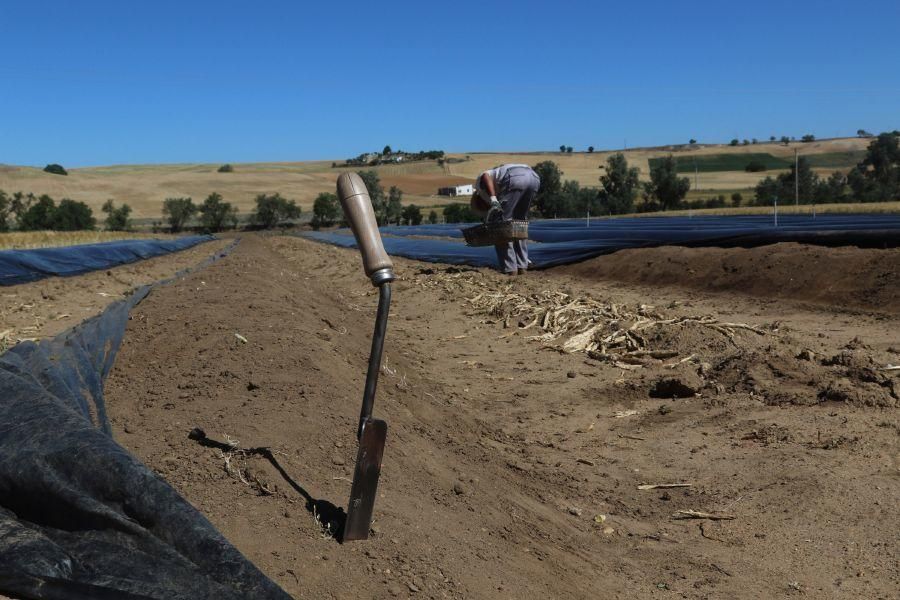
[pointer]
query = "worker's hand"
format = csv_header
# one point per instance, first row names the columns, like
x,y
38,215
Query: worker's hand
x,y
495,214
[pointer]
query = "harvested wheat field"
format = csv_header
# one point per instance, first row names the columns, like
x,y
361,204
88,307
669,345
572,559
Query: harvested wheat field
x,y
573,433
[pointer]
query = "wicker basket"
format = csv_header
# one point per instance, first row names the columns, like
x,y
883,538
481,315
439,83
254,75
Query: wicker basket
x,y
489,234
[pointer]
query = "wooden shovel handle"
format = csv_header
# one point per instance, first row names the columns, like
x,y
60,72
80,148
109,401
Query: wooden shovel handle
x,y
359,213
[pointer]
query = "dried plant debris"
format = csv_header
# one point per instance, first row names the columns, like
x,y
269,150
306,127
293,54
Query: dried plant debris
x,y
625,336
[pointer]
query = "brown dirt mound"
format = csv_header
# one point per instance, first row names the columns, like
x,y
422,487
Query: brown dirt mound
x,y
511,469
849,278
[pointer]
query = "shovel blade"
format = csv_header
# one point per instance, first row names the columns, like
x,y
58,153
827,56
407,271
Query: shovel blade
x,y
365,480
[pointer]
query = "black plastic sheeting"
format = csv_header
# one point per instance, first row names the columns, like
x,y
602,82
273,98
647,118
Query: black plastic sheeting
x,y
22,266
80,517
565,241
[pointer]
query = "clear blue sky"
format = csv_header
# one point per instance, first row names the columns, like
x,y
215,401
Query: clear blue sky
x,y
102,82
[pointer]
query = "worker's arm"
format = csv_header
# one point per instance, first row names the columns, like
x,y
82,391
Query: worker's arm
x,y
488,183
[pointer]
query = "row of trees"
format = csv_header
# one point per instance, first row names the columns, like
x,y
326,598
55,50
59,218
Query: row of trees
x,y
618,192
876,178
33,213
214,214
28,212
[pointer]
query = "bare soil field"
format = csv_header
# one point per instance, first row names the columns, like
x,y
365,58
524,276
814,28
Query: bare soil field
x,y
144,187
44,308
516,469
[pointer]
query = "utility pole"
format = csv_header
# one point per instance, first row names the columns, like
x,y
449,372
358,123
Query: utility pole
x,y
797,177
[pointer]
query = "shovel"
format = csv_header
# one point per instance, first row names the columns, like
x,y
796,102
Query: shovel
x,y
371,433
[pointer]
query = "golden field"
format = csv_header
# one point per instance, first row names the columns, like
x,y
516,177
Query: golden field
x,y
144,187
20,240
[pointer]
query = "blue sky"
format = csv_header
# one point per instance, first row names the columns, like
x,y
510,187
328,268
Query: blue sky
x,y
88,83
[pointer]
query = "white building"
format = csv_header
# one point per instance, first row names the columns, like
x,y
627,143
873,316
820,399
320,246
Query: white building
x,y
457,190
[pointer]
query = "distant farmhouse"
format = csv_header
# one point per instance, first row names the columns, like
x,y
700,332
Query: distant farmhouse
x,y
457,190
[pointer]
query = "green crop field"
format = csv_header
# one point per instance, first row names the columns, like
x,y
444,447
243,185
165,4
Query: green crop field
x,y
836,160
710,163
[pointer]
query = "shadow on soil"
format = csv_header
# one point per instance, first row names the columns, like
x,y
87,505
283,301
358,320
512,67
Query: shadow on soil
x,y
330,517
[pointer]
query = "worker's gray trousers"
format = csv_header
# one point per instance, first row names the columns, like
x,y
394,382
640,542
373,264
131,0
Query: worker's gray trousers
x,y
517,191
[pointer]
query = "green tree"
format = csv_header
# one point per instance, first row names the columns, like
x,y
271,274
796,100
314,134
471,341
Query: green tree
x,y
736,199
394,207
412,215
801,177
877,177
20,203
273,209
459,213
72,215
766,191
5,211
562,149
771,138
117,218
734,142
55,169
569,149
692,142
226,168
832,189
578,201
376,194
326,210
808,138
39,214
785,140
590,149
387,151
433,217
548,196
216,215
746,142
177,211
618,186
665,186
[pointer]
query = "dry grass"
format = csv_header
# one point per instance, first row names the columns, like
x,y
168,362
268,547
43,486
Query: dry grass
x,y
789,209
47,239
144,187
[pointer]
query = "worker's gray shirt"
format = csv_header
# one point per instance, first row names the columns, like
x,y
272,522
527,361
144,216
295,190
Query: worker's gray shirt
x,y
501,177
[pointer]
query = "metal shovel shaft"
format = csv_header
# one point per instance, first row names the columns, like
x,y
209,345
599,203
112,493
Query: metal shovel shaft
x,y
375,355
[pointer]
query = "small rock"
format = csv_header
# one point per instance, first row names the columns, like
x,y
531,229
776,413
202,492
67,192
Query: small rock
x,y
807,355
128,429
460,489
251,386
394,590
412,587
337,460
575,511
608,531
571,374
674,387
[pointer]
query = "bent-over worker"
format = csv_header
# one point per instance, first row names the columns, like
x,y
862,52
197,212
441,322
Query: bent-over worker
x,y
506,192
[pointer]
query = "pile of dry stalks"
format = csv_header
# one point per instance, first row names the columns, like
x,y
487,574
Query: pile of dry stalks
x,y
605,331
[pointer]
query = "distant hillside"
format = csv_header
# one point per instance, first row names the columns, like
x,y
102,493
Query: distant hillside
x,y
145,187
